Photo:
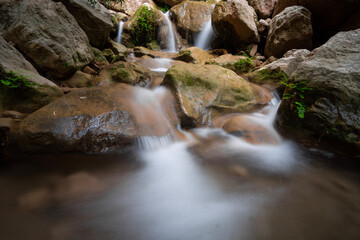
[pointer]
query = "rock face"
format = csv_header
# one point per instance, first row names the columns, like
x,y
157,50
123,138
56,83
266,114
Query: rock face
x,y
271,74
291,29
234,22
190,17
332,71
328,15
116,117
263,8
203,91
94,20
47,34
171,2
27,99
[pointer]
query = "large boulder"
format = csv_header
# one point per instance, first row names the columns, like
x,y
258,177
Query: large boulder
x,y
274,73
328,15
171,2
329,80
291,29
95,20
26,99
263,8
206,91
47,34
190,17
234,22
95,119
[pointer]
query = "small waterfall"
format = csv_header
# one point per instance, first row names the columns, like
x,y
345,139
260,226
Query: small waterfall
x,y
205,37
171,39
121,26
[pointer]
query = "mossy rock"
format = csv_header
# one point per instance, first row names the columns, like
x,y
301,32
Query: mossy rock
x,y
272,78
207,91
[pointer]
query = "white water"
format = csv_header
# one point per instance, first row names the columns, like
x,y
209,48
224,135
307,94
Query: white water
x,y
121,26
171,39
205,37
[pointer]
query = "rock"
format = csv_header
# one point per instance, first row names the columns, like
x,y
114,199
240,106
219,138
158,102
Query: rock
x,y
89,70
273,73
189,18
205,91
327,15
125,72
13,115
112,57
142,51
95,20
238,64
249,130
79,80
142,27
193,55
128,7
263,8
116,118
171,2
26,99
234,22
332,107
117,48
47,34
291,29
263,26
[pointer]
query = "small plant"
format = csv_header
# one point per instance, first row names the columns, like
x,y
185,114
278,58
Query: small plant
x,y
165,9
244,65
295,92
144,30
13,80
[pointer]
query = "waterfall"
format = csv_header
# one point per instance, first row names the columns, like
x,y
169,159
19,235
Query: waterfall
x,y
205,37
171,38
121,26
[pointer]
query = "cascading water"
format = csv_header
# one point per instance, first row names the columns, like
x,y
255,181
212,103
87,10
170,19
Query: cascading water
x,y
171,35
121,26
205,37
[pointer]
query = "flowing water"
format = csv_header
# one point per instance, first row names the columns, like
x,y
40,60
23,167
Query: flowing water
x,y
198,184
121,27
205,37
171,34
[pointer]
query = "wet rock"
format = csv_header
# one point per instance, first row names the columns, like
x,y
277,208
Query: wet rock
x,y
332,106
95,20
112,57
47,34
116,117
142,51
201,95
13,115
79,80
234,22
125,72
193,55
291,29
249,130
190,17
238,64
25,99
273,73
263,8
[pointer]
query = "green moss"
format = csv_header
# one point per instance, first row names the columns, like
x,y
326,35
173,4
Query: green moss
x,y
11,80
143,30
243,65
266,76
99,57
